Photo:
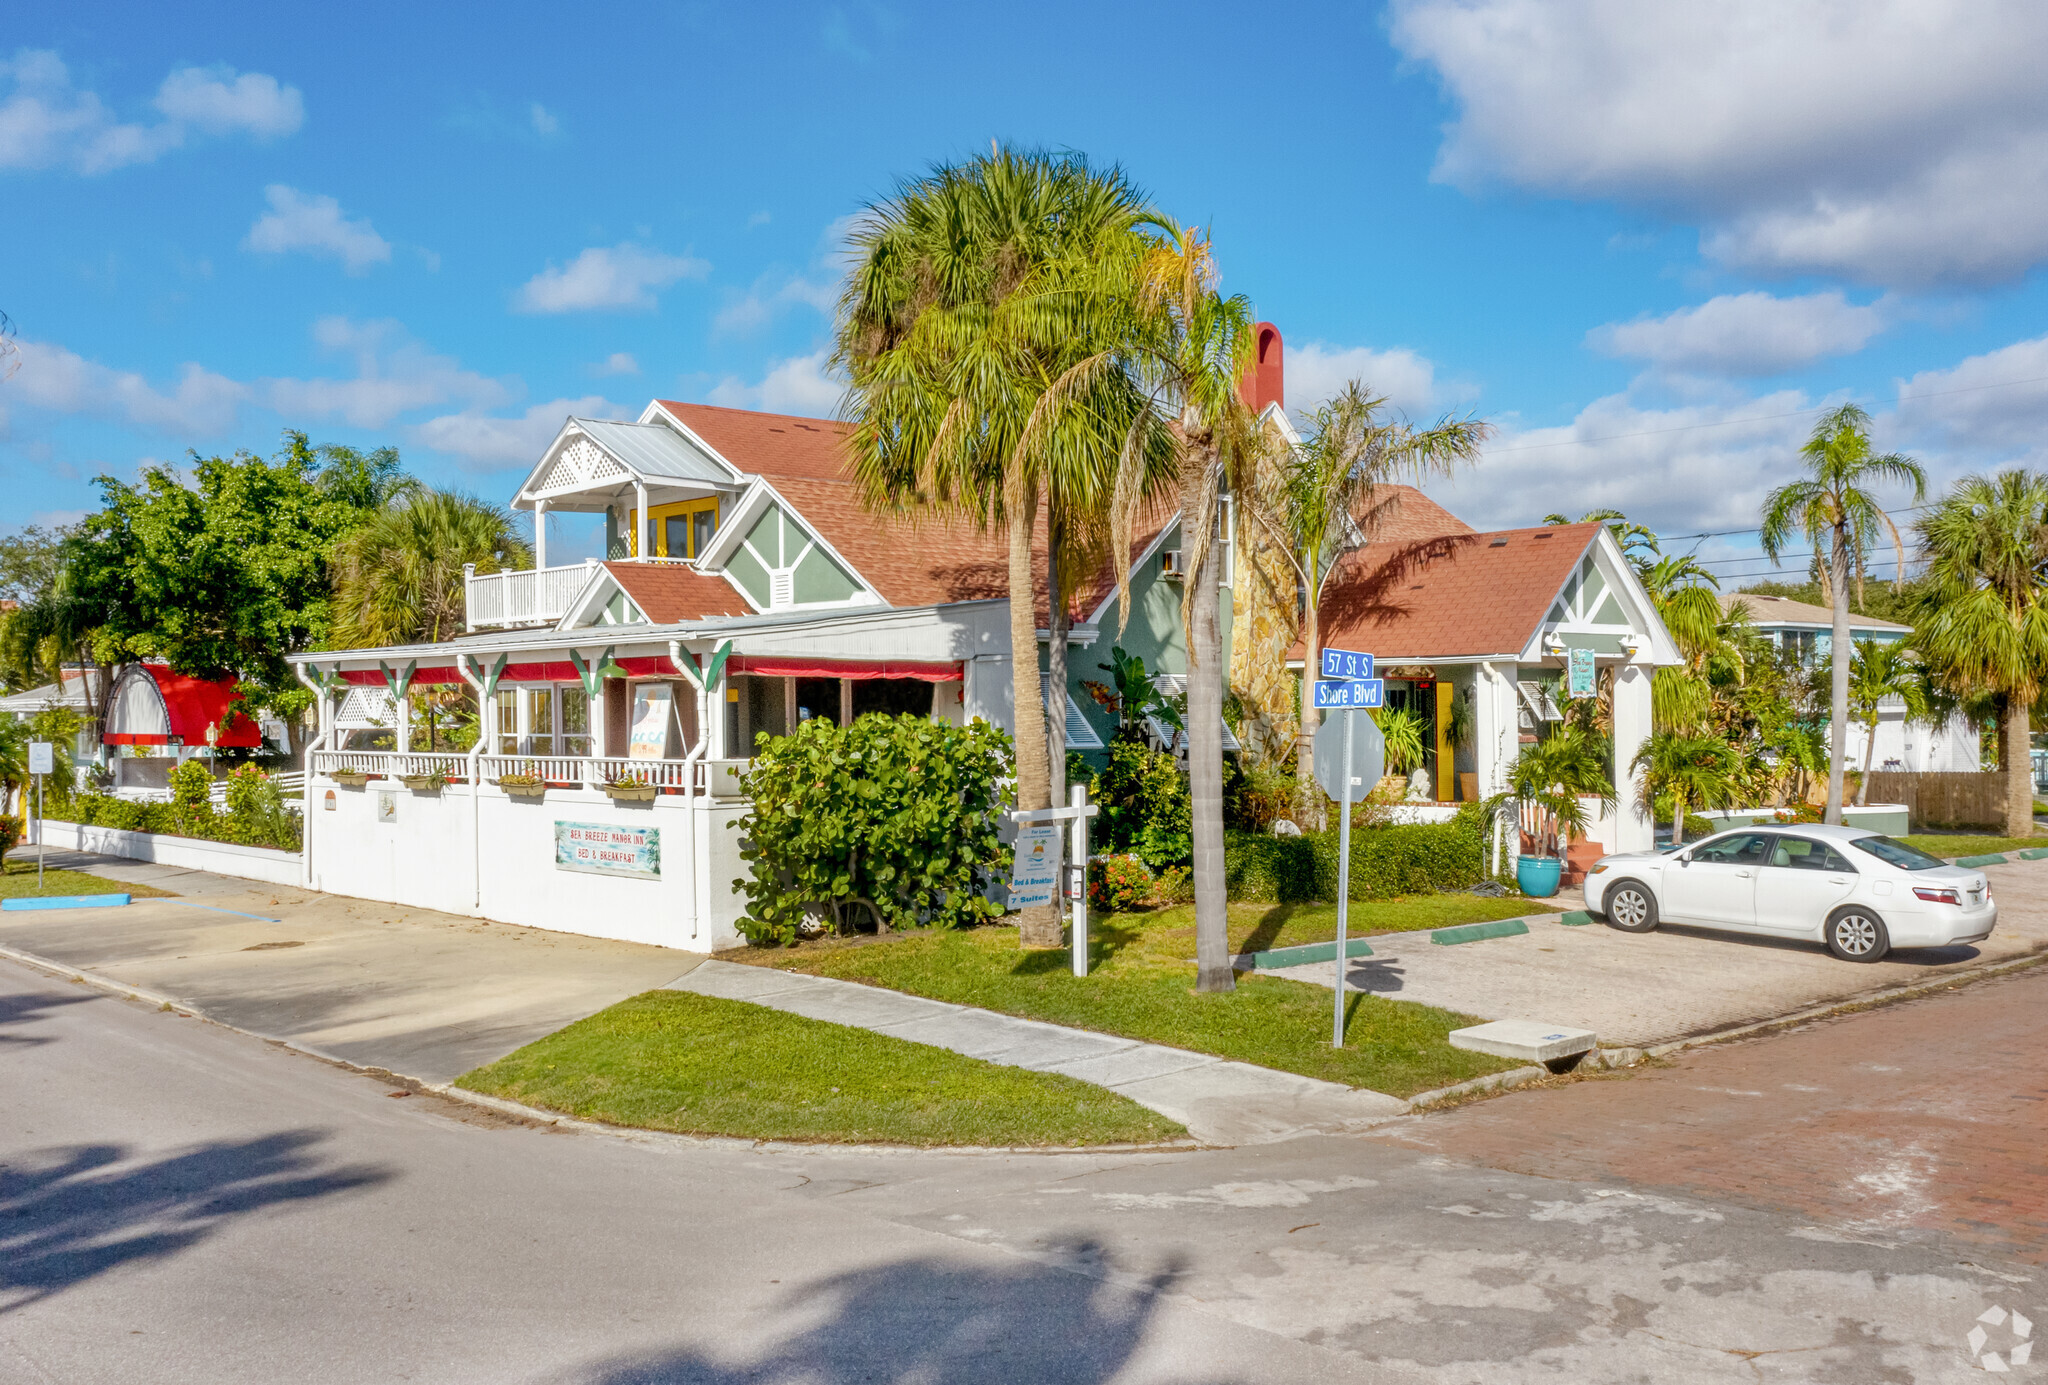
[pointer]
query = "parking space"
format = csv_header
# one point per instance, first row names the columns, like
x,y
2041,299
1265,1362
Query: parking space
x,y
1639,989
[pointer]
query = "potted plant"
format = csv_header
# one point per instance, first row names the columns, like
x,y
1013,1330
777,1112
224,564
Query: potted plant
x,y
432,782
353,778
1556,776
525,782
630,788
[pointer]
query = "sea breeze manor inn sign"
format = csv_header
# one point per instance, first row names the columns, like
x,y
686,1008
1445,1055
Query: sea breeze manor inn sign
x,y
607,848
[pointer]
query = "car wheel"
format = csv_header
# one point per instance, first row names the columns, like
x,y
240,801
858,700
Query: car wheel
x,y
1630,907
1856,934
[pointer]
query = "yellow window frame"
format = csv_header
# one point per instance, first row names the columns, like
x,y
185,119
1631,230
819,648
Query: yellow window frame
x,y
661,514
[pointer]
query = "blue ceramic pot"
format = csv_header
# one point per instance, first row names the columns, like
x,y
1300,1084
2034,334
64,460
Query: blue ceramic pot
x,y
1538,875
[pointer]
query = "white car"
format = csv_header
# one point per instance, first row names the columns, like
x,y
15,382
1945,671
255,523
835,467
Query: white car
x,y
1859,892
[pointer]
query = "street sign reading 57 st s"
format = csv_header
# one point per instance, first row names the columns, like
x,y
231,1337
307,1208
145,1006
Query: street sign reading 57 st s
x,y
1346,663
1362,692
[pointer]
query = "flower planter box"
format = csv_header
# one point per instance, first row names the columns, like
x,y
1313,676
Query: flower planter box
x,y
631,793
353,779
423,783
524,790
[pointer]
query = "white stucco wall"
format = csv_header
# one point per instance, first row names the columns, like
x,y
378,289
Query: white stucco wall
x,y
187,853
489,855
1950,747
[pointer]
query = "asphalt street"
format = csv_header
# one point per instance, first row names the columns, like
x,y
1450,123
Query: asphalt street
x,y
181,1202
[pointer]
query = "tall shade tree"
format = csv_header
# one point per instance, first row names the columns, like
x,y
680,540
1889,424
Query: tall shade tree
x,y
1881,669
982,332
1334,493
398,578
1833,508
1983,620
1195,345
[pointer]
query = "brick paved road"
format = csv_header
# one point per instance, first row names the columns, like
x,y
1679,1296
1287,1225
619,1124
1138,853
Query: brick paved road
x,y
1925,1120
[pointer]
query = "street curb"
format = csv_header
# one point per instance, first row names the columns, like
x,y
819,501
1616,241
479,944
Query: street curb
x,y
557,1119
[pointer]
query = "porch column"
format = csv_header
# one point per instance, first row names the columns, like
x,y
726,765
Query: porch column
x,y
846,702
1496,740
540,533
1633,829
641,545
715,703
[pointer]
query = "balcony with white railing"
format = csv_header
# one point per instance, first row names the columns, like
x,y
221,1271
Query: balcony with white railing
x,y
535,596
686,778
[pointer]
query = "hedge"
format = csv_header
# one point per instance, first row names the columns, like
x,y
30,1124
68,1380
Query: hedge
x,y
1409,858
256,813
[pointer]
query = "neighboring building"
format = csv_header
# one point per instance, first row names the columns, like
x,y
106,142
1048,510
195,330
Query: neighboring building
x,y
1807,632
72,692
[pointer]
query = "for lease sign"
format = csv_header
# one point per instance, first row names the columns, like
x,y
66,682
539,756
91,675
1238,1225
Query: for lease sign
x,y
608,848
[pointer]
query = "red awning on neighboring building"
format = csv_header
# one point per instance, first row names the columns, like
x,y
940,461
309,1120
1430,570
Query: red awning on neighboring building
x,y
151,705
930,672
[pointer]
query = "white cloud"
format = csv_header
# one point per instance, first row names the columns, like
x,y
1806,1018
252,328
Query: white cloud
x,y
797,385
545,123
485,443
314,224
623,276
1745,334
218,102
618,363
46,122
1986,411
767,299
1893,141
394,375
201,403
1317,371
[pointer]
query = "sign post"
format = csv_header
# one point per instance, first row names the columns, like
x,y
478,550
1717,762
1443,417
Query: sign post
x,y
1038,840
42,760
1344,759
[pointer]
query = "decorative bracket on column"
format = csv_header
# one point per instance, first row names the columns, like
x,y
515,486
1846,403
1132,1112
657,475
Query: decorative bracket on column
x,y
706,675
484,675
401,681
593,672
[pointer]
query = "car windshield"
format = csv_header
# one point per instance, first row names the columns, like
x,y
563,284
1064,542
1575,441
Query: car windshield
x,y
1897,853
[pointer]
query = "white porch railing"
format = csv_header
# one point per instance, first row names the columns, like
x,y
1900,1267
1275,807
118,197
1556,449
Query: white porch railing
x,y
700,778
533,597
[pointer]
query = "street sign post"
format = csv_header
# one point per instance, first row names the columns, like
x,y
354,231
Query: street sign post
x,y
42,760
1076,815
1348,755
1360,692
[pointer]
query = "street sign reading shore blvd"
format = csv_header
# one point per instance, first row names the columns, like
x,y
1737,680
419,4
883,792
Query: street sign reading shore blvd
x,y
1359,692
1346,663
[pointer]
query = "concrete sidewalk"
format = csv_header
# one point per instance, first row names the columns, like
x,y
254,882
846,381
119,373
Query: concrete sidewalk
x,y
423,994
1220,1102
1640,989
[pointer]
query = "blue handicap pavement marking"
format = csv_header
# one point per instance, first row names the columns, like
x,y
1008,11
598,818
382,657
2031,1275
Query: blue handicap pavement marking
x,y
66,901
1364,692
1346,663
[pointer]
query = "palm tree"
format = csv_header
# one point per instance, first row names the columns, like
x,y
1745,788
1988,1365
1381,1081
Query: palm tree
x,y
1192,347
1842,520
1880,669
398,577
1697,771
1330,497
980,336
1557,774
1638,541
1983,623
1687,599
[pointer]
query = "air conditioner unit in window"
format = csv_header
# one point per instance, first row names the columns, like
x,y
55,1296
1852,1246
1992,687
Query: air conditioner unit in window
x,y
1172,563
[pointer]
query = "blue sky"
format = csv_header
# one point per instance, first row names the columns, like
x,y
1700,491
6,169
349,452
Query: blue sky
x,y
1648,242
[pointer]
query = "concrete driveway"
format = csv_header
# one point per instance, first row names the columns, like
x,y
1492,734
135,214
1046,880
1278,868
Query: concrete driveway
x,y
421,993
1637,989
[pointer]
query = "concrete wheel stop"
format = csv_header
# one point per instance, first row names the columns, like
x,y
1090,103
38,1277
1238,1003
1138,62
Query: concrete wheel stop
x,y
1556,1048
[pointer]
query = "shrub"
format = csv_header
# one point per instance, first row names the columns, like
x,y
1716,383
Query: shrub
x,y
1797,812
1405,858
1258,793
10,834
896,815
1281,869
256,813
1146,810
1697,826
1119,883
191,783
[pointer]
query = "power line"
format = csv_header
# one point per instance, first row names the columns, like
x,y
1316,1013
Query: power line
x,y
1758,528
1760,418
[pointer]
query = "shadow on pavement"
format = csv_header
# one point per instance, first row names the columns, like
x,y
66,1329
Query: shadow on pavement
x,y
66,1215
927,1319
28,1007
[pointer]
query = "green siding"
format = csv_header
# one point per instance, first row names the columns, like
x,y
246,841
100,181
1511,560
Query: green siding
x,y
819,579
751,576
766,537
1609,613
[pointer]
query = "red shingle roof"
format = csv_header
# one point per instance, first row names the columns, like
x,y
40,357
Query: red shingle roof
x,y
670,592
1450,594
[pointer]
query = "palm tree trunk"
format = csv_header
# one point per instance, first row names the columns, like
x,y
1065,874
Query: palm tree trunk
x,y
1305,742
1869,758
1056,673
1838,702
1036,927
2015,750
1213,971
1677,819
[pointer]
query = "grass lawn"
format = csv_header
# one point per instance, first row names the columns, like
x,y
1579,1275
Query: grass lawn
x,y
670,1060
1967,844
1141,986
19,880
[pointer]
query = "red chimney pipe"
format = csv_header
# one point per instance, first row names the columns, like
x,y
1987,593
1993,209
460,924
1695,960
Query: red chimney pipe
x,y
1265,381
